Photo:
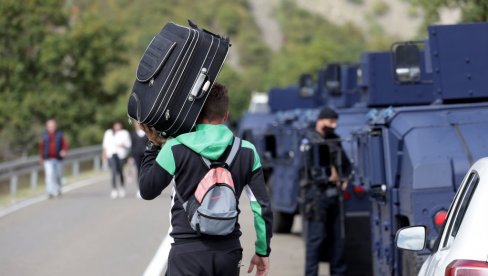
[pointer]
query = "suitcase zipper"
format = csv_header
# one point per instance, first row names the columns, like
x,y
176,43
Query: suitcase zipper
x,y
180,80
165,132
156,119
209,67
152,112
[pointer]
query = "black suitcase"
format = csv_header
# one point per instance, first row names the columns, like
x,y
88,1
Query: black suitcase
x,y
174,76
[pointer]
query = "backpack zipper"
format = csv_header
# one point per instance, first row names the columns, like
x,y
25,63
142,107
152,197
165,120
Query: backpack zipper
x,y
210,217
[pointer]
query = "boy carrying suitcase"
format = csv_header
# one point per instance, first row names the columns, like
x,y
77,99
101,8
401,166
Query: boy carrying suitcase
x,y
212,160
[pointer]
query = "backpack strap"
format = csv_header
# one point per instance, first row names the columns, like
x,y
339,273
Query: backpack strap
x,y
180,199
230,157
233,151
207,162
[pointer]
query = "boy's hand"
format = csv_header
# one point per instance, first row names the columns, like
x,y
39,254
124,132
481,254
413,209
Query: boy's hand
x,y
334,176
261,263
153,135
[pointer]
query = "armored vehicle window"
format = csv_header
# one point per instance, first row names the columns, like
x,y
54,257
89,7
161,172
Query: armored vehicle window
x,y
270,145
407,63
333,79
247,135
306,85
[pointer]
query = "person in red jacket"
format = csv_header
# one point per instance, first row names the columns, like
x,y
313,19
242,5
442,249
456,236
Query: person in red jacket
x,y
52,150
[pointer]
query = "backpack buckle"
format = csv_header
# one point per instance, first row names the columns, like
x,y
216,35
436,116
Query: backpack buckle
x,y
218,164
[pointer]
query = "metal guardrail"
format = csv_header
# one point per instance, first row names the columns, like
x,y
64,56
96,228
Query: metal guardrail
x,y
31,165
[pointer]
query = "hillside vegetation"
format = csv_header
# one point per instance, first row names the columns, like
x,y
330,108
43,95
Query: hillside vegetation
x,y
75,60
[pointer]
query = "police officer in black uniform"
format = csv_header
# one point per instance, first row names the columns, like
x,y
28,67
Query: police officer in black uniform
x,y
322,203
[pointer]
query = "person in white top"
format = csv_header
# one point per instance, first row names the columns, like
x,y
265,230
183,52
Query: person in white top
x,y
116,147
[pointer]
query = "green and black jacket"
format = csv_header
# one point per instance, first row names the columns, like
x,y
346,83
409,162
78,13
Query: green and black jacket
x,y
180,158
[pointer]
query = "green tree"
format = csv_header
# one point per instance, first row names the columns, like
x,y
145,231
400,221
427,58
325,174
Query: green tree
x,y
75,60
311,42
53,65
230,18
472,10
24,26
80,59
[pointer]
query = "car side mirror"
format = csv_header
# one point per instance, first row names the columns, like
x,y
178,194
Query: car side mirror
x,y
412,238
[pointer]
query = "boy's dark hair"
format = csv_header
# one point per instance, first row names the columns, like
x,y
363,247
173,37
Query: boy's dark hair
x,y
217,103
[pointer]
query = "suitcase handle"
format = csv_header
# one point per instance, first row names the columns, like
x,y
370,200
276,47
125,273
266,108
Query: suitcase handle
x,y
201,86
195,26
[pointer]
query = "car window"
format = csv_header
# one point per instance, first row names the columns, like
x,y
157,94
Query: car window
x,y
454,207
464,205
437,240
459,210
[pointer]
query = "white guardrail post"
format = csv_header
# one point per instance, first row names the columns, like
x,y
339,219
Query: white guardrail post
x,y
76,168
12,170
14,180
34,177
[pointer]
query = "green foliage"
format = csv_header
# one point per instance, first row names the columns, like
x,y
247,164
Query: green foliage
x,y
311,42
431,9
76,62
413,12
144,18
380,8
24,26
238,92
356,2
472,10
229,19
53,66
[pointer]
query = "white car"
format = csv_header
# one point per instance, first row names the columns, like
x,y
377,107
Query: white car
x,y
462,247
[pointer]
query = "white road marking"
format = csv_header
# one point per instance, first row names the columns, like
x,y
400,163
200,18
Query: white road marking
x,y
159,262
28,202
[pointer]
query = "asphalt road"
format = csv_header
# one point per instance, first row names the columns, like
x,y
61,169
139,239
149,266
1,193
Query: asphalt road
x,y
87,233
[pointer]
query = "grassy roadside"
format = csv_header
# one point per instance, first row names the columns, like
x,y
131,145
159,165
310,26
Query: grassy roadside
x,y
25,192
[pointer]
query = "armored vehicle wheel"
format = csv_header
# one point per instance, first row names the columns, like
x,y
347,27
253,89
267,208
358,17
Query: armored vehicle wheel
x,y
282,222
